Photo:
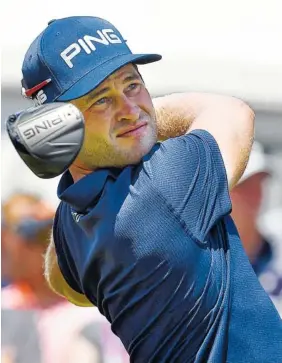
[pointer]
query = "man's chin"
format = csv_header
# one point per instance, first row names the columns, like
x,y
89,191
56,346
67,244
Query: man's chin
x,y
131,161
133,158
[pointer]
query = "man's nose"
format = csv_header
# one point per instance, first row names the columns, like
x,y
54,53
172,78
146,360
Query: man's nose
x,y
127,110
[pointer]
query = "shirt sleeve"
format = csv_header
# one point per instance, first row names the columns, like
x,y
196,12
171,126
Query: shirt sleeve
x,y
65,260
190,175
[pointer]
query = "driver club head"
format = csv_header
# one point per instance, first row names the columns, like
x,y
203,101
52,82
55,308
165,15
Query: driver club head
x,y
48,137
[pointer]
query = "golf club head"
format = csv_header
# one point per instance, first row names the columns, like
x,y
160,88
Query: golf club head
x,y
48,137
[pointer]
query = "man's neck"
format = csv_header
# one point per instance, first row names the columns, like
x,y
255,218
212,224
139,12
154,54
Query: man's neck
x,y
78,172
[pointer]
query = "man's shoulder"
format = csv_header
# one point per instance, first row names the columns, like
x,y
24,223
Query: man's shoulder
x,y
59,221
65,218
62,210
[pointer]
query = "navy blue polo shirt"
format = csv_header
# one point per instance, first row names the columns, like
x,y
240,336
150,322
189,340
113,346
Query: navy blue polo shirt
x,y
154,247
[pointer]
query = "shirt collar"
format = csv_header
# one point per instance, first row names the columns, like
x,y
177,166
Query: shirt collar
x,y
83,193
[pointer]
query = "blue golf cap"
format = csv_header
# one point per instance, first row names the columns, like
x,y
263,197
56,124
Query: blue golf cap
x,y
72,56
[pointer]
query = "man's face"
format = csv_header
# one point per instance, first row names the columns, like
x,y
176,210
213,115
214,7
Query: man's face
x,y
120,125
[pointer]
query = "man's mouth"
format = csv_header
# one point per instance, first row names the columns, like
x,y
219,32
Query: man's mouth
x,y
133,130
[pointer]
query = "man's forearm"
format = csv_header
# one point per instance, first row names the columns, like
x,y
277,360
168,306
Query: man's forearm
x,y
173,120
229,120
176,113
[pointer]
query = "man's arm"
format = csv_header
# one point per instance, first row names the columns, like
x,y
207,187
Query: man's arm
x,y
56,281
229,120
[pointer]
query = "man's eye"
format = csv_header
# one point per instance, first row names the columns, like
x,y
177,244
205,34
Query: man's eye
x,y
101,101
133,86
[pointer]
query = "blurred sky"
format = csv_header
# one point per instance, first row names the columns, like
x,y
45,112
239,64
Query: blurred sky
x,y
233,45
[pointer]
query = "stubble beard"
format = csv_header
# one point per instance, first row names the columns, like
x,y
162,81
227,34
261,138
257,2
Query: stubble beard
x,y
104,155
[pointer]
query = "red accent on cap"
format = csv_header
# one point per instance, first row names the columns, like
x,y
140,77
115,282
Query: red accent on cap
x,y
31,91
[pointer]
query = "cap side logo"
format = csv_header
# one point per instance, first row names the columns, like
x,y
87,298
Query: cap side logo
x,y
86,44
36,92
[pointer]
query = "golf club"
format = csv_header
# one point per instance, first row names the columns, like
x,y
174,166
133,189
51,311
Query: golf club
x,y
48,137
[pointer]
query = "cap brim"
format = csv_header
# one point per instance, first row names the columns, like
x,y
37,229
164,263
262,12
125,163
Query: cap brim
x,y
92,79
